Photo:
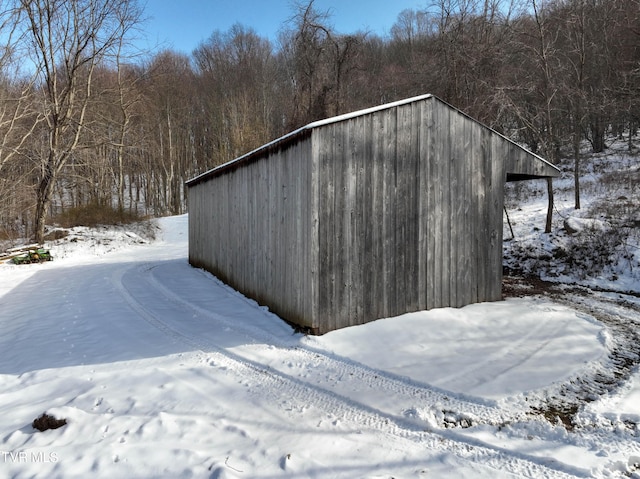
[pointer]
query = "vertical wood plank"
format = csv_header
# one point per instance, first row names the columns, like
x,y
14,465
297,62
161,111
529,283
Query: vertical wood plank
x,y
441,198
342,210
455,206
377,225
368,221
424,190
498,176
488,157
389,206
434,256
325,227
359,221
314,178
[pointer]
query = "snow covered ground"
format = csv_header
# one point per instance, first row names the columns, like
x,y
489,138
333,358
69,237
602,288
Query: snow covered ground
x,y
162,371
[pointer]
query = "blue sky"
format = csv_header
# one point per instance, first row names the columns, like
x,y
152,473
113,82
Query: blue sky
x,y
183,24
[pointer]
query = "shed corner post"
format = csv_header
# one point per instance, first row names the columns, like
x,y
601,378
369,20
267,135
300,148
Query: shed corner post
x,y
314,229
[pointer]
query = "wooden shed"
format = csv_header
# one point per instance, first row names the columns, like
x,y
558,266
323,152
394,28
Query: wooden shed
x,y
372,214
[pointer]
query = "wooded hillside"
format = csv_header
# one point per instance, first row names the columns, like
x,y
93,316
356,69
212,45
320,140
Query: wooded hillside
x,y
86,121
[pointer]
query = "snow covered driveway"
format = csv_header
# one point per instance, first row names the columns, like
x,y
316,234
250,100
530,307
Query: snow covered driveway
x,y
163,371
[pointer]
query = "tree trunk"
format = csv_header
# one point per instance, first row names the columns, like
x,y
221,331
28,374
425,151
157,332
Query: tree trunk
x,y
597,135
576,169
547,228
45,188
120,181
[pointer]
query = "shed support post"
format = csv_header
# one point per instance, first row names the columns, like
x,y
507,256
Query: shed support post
x,y
509,223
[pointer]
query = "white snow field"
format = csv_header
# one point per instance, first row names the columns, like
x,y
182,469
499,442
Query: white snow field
x,y
162,371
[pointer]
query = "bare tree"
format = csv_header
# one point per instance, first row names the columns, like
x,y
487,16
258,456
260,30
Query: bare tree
x,y
304,50
530,87
18,120
575,54
68,40
318,62
168,119
15,104
128,97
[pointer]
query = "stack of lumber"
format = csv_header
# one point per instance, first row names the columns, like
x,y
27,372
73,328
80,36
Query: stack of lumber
x,y
18,251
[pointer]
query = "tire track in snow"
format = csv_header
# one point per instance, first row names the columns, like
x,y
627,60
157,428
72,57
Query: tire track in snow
x,y
343,368
495,357
274,384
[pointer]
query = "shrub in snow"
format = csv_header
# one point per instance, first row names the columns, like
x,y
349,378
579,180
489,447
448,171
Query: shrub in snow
x,y
591,251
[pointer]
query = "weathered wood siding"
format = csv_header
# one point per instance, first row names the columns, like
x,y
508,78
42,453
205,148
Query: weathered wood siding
x,y
522,164
371,215
251,226
368,222
410,202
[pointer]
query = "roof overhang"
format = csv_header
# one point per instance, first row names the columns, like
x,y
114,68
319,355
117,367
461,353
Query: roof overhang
x,y
522,177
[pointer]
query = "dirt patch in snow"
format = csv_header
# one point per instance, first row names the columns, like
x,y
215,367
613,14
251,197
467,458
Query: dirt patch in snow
x,y
46,422
621,318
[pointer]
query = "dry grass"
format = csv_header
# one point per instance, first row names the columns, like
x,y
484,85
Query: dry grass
x,y
95,214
